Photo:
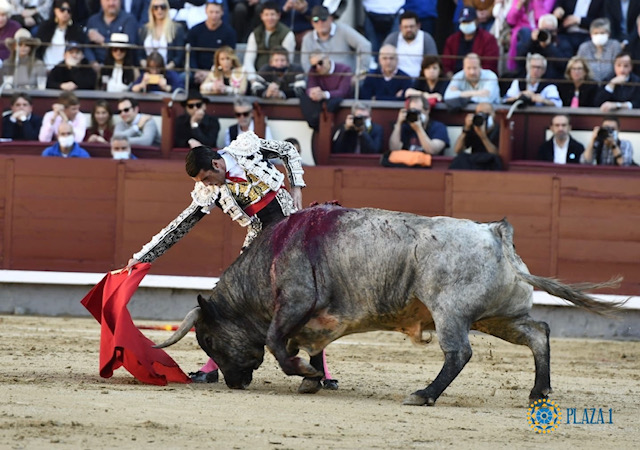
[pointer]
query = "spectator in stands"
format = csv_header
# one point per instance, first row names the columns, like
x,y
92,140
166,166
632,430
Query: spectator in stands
x,y
600,51
110,19
193,12
411,43
415,131
575,18
327,79
137,8
544,41
67,145
210,34
580,90
634,46
21,124
30,13
101,128
533,89
523,17
430,85
24,74
195,127
271,33
381,17
561,148
227,76
243,111
162,35
470,39
278,78
622,15
341,42
121,147
472,84
387,82
155,78
295,15
66,109
141,129
358,134
481,134
426,12
73,72
484,11
8,28
118,72
59,29
605,148
623,90
244,17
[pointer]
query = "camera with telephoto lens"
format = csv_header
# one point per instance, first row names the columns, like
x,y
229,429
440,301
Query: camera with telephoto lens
x,y
479,119
605,133
413,115
543,35
358,121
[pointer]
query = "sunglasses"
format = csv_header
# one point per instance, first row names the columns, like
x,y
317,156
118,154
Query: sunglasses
x,y
125,110
318,64
65,9
317,19
194,105
162,7
243,114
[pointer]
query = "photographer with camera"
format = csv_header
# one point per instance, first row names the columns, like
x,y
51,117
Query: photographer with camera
x,y
358,134
481,134
415,131
544,41
278,79
533,90
605,148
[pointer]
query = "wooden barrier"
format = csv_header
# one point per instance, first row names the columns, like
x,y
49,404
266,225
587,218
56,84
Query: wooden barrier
x,y
91,215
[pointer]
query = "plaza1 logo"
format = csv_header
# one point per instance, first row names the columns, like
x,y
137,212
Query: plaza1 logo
x,y
544,416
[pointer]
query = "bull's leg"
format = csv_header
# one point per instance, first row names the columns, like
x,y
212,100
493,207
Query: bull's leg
x,y
535,335
311,385
454,342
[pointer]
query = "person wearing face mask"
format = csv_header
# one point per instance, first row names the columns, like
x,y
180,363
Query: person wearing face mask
x,y
73,72
470,39
66,147
481,134
121,147
358,134
415,131
600,51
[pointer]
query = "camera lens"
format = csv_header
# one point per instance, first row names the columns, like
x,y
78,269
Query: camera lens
x,y
603,134
358,121
543,36
478,120
412,115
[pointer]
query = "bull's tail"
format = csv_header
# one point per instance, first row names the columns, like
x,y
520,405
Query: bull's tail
x,y
574,293
187,323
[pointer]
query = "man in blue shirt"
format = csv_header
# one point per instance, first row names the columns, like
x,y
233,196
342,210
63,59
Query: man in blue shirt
x,y
66,147
210,34
414,130
387,82
110,19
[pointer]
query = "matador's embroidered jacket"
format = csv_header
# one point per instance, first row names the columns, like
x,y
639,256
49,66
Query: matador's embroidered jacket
x,y
241,197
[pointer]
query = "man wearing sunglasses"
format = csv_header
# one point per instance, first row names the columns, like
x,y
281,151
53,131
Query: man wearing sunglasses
x,y
344,44
141,129
243,111
195,127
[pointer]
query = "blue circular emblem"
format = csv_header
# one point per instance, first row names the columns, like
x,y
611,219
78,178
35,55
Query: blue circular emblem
x,y
544,416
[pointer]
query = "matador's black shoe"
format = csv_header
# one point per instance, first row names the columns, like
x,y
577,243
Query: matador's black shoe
x,y
204,377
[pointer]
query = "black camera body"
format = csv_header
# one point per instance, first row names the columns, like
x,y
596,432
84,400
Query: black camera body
x,y
543,35
479,119
605,133
358,121
413,115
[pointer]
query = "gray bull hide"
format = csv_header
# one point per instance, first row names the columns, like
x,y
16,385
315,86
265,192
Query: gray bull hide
x,y
328,271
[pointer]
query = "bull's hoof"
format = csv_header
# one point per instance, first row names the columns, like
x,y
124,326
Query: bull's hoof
x,y
331,385
416,400
310,386
533,396
204,377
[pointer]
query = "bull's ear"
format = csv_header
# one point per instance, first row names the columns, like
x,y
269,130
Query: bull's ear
x,y
207,306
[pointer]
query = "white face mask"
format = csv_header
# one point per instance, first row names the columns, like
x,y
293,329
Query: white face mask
x,y
599,39
120,155
367,122
66,141
423,118
467,27
489,122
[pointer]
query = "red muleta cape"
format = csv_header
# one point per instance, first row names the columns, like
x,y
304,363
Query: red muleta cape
x,y
121,343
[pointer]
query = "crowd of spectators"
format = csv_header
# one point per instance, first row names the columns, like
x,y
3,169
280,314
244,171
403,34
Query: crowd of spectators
x,y
553,53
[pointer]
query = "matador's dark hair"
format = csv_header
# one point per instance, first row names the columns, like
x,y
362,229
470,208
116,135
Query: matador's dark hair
x,y
199,158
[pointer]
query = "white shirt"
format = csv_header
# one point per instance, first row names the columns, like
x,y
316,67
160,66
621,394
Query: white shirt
x,y
55,52
158,45
382,6
560,153
410,54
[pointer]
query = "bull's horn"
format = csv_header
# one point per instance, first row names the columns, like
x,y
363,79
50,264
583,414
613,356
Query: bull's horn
x,y
189,321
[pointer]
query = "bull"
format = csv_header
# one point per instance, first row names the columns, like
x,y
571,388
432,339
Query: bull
x,y
329,271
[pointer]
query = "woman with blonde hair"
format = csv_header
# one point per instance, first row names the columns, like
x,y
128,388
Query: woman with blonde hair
x,y
162,35
227,76
22,69
579,89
